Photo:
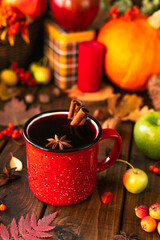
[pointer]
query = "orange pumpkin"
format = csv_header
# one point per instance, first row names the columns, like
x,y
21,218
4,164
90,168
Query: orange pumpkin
x,y
132,50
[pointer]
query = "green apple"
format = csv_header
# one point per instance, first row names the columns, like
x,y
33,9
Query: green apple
x,y
42,75
135,180
32,67
147,134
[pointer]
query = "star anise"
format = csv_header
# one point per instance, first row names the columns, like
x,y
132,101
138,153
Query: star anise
x,y
123,236
56,143
7,174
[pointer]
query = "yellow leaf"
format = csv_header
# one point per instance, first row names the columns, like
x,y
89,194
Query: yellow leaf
x,y
11,39
5,94
112,103
26,37
3,34
137,113
128,104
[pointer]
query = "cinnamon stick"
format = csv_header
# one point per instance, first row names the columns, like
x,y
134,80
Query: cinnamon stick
x,y
74,108
80,117
71,109
78,105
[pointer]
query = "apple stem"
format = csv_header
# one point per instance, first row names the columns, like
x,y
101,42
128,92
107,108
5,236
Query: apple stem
x,y
120,160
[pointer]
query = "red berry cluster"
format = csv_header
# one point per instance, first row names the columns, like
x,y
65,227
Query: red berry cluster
x,y
15,20
154,169
25,77
130,13
113,13
10,131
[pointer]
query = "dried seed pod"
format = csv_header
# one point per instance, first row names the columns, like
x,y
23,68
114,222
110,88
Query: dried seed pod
x,y
99,114
29,98
44,98
56,92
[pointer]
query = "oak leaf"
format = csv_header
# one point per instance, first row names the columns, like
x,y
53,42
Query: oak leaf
x,y
15,112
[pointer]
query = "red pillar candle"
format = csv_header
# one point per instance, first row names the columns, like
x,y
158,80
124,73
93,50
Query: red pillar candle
x,y
90,61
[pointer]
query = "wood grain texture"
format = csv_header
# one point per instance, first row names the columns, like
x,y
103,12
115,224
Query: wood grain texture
x,y
91,219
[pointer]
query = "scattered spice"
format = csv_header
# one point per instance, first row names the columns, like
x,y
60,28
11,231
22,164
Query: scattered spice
x,y
56,143
123,236
7,174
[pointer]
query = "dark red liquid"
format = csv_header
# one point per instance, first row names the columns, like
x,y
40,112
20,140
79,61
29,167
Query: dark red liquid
x,y
46,127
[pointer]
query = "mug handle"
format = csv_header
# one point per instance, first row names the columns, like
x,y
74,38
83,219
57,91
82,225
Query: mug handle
x,y
116,150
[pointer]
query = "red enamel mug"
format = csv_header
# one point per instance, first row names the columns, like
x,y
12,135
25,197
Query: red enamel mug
x,y
68,176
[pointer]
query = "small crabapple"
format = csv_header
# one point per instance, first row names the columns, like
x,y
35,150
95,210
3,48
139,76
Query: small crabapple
x,y
154,211
148,224
141,211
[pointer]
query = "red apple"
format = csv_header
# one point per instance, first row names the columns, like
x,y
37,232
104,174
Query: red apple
x,y
74,15
32,8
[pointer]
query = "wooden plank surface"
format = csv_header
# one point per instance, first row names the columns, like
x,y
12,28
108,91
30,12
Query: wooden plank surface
x,y
91,219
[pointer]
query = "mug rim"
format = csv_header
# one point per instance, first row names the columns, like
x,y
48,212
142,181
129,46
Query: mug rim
x,y
58,150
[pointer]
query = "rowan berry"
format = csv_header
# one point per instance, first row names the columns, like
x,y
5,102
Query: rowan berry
x,y
1,135
10,125
2,207
156,170
20,132
151,167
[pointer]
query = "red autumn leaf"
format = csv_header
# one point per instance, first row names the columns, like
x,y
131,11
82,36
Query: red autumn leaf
x,y
44,228
29,237
27,223
21,226
15,112
39,234
33,221
28,228
45,221
14,229
4,232
106,197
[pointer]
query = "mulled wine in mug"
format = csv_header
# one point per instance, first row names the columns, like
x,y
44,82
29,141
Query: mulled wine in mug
x,y
63,159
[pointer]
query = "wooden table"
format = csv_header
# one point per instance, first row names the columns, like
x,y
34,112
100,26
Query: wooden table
x,y
91,219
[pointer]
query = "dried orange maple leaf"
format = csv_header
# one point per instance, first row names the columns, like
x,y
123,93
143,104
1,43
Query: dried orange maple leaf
x,y
124,109
15,112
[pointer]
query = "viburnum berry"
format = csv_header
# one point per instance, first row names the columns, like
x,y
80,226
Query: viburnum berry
x,y
2,207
